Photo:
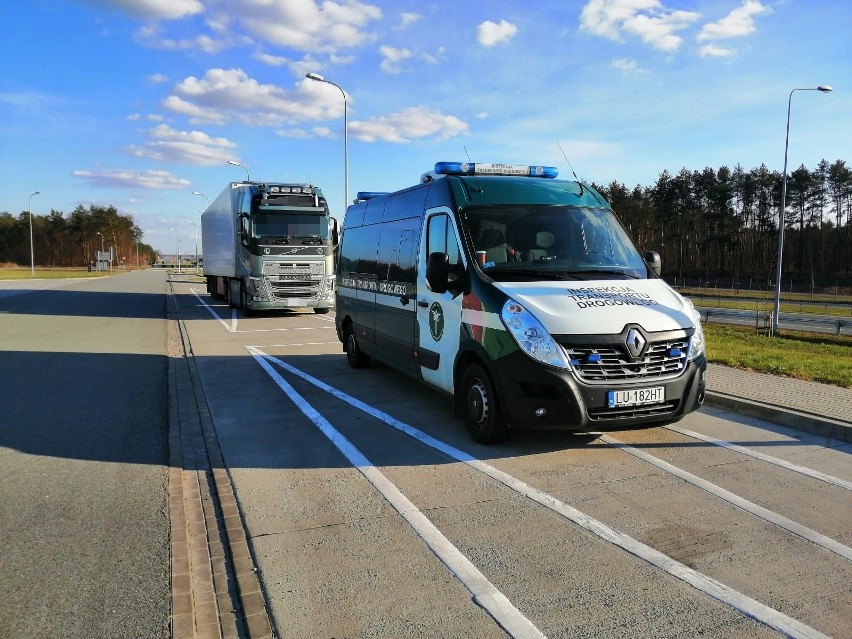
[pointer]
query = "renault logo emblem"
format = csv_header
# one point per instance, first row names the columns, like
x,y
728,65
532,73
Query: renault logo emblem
x,y
635,343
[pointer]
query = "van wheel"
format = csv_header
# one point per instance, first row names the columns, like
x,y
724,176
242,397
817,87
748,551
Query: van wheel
x,y
481,413
354,356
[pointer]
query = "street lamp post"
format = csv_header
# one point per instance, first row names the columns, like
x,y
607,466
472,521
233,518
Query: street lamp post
x,y
776,309
232,163
101,254
177,248
195,228
202,195
318,78
32,250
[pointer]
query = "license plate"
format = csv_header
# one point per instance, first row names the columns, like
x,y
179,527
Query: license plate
x,y
636,397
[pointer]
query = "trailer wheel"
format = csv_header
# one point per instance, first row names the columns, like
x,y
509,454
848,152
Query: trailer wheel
x,y
481,410
354,356
320,311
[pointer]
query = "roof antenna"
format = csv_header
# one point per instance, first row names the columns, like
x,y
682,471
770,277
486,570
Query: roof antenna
x,y
478,185
570,167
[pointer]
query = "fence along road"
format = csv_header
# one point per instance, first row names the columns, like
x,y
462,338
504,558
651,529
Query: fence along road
x,y
792,321
567,535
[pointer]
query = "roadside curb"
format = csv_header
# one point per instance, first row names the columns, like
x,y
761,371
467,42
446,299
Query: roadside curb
x,y
808,422
215,588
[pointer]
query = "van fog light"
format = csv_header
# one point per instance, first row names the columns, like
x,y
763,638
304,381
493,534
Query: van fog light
x,y
540,412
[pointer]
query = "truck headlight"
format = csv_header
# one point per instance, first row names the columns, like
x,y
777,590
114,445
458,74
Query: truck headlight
x,y
531,336
696,342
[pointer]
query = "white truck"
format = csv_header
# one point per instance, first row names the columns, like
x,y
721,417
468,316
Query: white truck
x,y
270,246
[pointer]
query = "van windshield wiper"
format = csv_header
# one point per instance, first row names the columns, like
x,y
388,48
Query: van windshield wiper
x,y
604,271
551,275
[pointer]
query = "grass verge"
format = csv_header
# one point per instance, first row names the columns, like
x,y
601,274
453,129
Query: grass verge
x,y
816,358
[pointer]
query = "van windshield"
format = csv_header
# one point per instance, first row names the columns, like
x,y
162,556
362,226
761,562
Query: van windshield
x,y
544,242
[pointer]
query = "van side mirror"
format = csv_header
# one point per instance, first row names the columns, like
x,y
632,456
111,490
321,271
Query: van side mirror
x,y
652,259
438,272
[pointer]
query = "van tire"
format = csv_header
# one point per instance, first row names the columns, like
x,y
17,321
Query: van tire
x,y
480,409
354,356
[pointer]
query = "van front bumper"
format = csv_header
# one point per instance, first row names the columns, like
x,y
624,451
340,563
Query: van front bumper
x,y
532,395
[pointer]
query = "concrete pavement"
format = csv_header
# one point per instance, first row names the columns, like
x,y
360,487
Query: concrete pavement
x,y
216,591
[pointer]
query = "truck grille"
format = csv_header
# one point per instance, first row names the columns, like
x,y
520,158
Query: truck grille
x,y
289,280
612,364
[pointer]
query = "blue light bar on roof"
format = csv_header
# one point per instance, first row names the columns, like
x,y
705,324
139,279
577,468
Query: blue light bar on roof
x,y
479,168
368,195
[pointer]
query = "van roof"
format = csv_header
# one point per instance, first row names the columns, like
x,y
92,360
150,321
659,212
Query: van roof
x,y
501,190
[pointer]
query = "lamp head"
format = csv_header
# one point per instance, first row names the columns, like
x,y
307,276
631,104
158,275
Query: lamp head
x,y
315,76
232,163
824,88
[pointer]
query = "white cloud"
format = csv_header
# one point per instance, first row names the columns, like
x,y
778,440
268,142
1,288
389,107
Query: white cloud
x,y
408,124
407,19
154,9
224,95
490,33
157,78
649,20
306,26
154,179
628,66
184,147
713,51
269,59
392,57
739,22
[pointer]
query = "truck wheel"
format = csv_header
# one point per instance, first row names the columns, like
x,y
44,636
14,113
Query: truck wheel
x,y
247,312
481,411
320,311
354,356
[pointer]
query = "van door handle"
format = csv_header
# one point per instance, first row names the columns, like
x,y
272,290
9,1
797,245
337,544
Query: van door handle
x,y
423,304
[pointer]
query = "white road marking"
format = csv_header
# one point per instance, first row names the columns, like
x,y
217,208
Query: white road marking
x,y
484,593
234,320
758,511
783,463
704,583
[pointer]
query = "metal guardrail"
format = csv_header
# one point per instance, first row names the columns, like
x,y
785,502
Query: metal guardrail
x,y
762,320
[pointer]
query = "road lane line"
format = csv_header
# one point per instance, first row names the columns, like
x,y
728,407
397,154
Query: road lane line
x,y
758,511
234,320
484,593
783,463
704,583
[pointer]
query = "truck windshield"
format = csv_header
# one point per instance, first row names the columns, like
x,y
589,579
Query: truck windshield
x,y
280,224
529,241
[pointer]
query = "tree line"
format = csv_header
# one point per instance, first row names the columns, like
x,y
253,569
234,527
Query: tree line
x,y
718,226
75,240
721,226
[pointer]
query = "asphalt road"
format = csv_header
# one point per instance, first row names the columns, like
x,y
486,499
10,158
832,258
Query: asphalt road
x,y
371,514
83,453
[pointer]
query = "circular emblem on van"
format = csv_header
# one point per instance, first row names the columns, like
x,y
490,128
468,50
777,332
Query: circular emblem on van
x,y
320,251
436,321
266,251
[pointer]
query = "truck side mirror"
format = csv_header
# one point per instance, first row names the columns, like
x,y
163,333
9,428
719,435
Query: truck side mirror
x,y
652,259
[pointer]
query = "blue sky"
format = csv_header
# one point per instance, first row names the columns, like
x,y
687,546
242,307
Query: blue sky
x,y
138,103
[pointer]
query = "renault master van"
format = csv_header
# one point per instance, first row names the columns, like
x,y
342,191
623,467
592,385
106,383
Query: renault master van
x,y
521,297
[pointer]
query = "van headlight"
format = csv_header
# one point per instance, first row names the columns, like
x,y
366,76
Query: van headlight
x,y
696,342
531,336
